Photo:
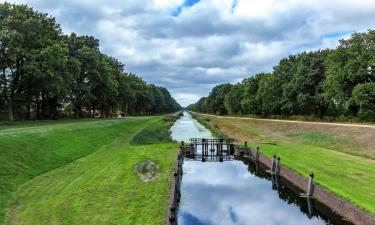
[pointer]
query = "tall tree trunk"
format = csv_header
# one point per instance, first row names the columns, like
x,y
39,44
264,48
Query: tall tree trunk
x,y
77,109
37,107
102,112
93,111
43,105
79,114
10,108
29,111
126,109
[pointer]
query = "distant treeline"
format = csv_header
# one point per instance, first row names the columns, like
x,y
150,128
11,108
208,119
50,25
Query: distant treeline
x,y
46,74
333,83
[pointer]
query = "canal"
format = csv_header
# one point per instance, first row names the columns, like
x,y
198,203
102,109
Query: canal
x,y
236,192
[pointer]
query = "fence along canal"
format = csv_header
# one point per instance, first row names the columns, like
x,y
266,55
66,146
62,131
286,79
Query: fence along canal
x,y
219,182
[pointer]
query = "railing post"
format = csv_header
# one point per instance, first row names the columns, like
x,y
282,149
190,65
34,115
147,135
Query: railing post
x,y
310,186
273,164
277,169
172,217
172,214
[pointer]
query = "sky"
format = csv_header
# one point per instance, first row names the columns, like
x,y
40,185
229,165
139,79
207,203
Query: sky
x,y
189,46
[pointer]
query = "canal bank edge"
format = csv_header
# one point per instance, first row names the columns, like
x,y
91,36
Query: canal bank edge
x,y
341,206
172,187
173,202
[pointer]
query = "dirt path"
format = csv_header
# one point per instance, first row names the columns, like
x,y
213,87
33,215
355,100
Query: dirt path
x,y
293,121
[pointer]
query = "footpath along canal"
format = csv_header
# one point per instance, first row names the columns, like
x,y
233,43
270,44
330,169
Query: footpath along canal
x,y
237,192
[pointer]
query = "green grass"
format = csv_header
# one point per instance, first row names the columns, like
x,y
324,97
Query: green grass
x,y
320,139
157,132
314,136
82,173
214,128
35,123
349,176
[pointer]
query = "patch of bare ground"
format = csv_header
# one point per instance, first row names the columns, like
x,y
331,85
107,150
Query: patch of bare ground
x,y
147,171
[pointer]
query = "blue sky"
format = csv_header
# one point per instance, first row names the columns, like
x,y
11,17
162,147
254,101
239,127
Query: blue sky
x,y
186,4
189,46
337,34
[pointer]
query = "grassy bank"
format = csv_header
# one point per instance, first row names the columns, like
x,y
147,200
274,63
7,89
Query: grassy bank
x,y
213,128
341,158
83,173
35,123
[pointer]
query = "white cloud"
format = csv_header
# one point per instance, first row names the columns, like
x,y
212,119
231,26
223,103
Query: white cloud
x,y
208,43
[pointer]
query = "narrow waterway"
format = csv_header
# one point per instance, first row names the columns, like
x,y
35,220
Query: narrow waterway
x,y
237,192
187,127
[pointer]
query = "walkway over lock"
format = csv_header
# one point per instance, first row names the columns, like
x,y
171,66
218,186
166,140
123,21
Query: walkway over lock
x,y
215,150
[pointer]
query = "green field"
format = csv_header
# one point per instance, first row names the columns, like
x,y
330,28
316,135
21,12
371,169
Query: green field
x,y
83,172
342,165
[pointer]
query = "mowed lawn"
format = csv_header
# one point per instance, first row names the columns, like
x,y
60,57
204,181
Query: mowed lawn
x,y
83,173
347,172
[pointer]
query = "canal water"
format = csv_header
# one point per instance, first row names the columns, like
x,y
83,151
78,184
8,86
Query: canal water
x,y
239,192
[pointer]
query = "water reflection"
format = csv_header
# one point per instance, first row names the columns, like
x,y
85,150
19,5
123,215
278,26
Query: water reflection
x,y
239,192
215,193
186,127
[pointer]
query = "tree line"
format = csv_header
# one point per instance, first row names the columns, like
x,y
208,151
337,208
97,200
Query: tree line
x,y
325,83
45,74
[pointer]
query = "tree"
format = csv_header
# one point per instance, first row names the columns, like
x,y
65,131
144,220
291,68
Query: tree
x,y
352,63
215,101
268,94
85,53
249,103
199,106
43,72
25,36
48,78
126,95
303,93
318,83
363,97
232,100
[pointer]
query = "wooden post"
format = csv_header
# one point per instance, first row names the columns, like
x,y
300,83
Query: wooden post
x,y
310,186
273,164
172,217
277,169
257,154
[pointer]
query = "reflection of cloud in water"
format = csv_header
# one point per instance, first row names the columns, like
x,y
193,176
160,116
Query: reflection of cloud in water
x,y
226,193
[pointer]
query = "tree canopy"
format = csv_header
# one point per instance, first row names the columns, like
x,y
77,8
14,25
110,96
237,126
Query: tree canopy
x,y
45,74
337,82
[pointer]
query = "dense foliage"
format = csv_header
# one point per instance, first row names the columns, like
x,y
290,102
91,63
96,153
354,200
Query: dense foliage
x,y
339,82
45,74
